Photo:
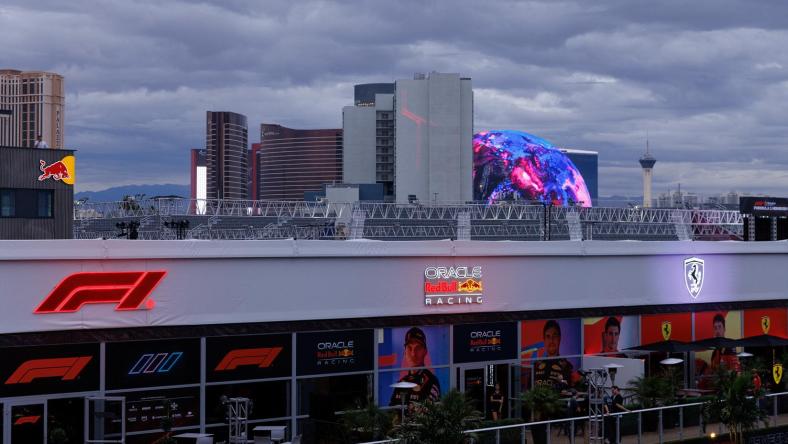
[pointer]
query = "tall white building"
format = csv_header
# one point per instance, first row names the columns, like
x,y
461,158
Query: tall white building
x,y
417,142
32,104
434,138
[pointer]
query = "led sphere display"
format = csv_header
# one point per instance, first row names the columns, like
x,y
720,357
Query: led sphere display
x,y
513,165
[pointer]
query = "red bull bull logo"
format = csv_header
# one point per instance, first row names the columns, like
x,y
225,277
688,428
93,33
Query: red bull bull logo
x,y
62,170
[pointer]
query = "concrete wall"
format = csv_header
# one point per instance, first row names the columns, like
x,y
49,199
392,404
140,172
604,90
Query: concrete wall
x,y
358,146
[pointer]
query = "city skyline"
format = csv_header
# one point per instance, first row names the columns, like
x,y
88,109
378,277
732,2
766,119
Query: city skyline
x,y
702,80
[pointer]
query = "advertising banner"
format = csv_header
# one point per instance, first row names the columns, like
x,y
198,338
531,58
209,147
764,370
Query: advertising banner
x,y
609,334
557,342
407,347
766,321
52,369
334,352
248,357
431,384
664,327
152,363
485,342
715,324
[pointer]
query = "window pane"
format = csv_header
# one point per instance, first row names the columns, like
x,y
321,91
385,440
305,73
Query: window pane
x,y
44,203
7,203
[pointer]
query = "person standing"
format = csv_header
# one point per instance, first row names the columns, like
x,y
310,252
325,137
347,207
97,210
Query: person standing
x,y
40,143
613,404
496,402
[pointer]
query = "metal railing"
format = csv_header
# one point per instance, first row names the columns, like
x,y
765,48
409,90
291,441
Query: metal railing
x,y
258,219
656,425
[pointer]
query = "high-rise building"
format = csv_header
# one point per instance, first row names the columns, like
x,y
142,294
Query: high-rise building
x,y
368,131
587,162
32,104
417,142
434,138
291,162
226,146
199,174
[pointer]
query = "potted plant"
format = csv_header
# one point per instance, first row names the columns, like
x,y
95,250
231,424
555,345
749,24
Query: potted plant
x,y
544,403
441,422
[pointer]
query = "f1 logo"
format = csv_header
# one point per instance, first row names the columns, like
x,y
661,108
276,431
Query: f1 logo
x,y
261,357
127,290
66,368
31,419
155,363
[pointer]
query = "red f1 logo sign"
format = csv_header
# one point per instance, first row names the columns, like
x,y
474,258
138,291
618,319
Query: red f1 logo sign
x,y
32,419
261,357
126,289
65,368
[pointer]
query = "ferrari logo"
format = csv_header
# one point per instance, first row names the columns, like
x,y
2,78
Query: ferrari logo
x,y
694,270
667,328
777,372
765,324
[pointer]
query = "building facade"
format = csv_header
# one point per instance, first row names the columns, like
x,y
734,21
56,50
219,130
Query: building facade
x,y
587,162
36,193
434,138
291,162
32,104
369,137
309,329
226,146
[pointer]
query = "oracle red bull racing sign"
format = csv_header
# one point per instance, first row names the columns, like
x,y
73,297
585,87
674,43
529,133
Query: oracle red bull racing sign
x,y
453,285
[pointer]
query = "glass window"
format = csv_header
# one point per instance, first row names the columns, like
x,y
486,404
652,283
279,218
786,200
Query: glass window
x,y
7,203
266,399
322,397
45,203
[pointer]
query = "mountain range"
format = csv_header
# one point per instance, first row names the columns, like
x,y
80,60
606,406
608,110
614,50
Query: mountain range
x,y
117,193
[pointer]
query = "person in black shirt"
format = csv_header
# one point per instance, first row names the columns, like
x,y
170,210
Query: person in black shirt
x,y
613,404
496,403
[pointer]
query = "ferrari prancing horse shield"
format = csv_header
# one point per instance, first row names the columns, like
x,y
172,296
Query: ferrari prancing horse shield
x,y
667,328
777,372
693,275
765,324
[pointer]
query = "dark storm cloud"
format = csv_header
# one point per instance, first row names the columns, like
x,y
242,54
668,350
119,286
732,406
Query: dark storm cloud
x,y
707,80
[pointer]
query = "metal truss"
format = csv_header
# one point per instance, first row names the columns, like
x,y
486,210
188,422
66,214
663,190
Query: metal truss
x,y
246,219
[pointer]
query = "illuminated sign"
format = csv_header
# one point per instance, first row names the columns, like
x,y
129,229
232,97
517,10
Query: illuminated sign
x,y
694,272
155,363
31,419
64,368
453,285
127,290
260,357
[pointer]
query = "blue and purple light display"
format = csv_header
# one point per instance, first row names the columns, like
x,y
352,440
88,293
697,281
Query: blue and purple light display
x,y
513,165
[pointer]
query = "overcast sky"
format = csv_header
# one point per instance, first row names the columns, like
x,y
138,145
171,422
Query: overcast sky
x,y
706,80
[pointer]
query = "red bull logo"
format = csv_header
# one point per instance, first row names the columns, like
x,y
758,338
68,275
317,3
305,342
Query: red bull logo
x,y
62,170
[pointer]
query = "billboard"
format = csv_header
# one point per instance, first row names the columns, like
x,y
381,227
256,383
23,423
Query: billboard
x,y
715,324
609,334
551,348
766,321
408,347
334,352
666,326
485,342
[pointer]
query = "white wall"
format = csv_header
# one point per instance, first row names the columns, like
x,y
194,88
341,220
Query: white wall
x,y
358,144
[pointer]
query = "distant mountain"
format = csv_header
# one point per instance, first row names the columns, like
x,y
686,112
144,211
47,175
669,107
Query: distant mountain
x,y
117,193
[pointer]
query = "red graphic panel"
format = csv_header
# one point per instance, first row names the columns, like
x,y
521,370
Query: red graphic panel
x,y
32,419
771,321
711,324
662,327
65,368
128,290
261,357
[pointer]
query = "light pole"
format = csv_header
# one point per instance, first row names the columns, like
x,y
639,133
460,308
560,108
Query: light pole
x,y
404,386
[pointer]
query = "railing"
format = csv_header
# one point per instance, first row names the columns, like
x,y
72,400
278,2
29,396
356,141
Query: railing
x,y
656,425
245,219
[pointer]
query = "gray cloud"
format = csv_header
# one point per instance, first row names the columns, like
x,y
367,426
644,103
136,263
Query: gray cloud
x,y
707,79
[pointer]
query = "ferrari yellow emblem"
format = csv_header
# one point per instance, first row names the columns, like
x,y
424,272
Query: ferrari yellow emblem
x,y
666,329
777,372
765,324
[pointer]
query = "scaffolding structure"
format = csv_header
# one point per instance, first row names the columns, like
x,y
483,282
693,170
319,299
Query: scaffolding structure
x,y
238,420
242,219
